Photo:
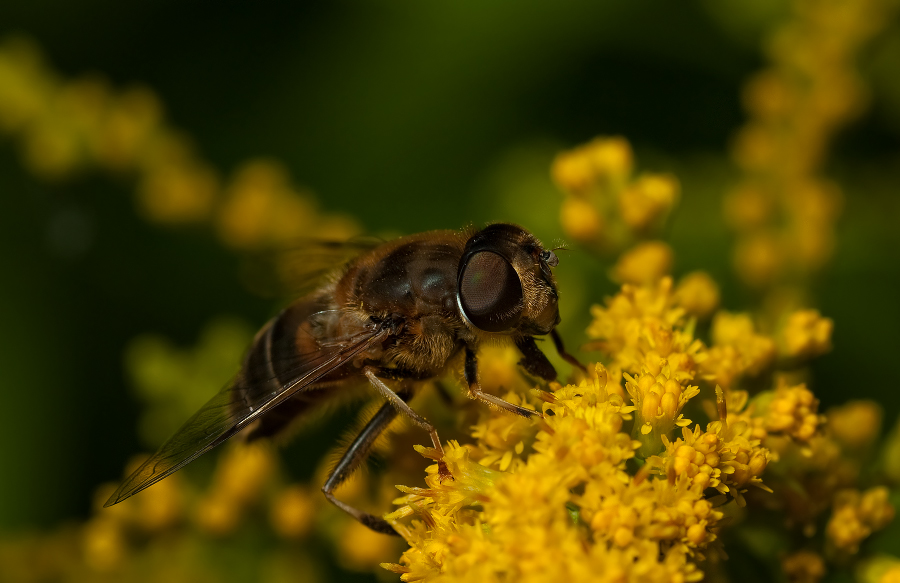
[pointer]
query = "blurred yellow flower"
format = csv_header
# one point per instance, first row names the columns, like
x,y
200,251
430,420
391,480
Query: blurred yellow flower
x,y
856,424
606,161
292,511
645,263
856,514
607,209
581,220
698,294
179,192
806,334
648,200
803,567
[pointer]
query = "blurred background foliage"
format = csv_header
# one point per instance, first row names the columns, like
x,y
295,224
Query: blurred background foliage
x,y
380,118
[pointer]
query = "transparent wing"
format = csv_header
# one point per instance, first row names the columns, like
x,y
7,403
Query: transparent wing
x,y
300,267
237,406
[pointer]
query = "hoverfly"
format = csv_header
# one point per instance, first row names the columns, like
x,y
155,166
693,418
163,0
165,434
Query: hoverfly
x,y
396,314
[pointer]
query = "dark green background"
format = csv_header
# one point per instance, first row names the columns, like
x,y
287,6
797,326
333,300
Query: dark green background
x,y
410,116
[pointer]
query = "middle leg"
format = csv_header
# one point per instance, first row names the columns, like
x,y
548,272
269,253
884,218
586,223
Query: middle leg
x,y
401,406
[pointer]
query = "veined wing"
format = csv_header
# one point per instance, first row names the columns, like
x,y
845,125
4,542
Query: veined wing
x,y
237,406
299,267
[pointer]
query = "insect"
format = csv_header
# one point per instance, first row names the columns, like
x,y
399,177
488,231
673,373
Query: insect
x,y
393,316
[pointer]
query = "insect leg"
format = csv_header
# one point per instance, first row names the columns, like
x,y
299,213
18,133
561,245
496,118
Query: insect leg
x,y
562,351
353,457
535,361
475,392
401,406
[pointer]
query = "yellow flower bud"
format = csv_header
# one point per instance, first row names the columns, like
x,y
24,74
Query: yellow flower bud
x,y
803,567
580,219
647,200
178,192
697,533
644,264
611,157
292,512
806,334
573,171
698,294
103,544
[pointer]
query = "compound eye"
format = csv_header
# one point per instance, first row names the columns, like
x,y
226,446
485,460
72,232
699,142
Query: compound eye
x,y
490,292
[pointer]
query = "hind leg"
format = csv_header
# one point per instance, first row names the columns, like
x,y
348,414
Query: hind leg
x,y
354,456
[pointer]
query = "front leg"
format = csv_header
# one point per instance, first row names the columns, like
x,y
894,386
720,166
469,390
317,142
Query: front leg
x,y
557,340
535,361
475,392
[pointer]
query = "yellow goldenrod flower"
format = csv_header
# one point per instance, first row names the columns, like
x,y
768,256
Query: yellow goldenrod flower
x,y
104,544
759,259
126,129
698,294
747,207
793,411
646,263
891,575
262,208
51,148
241,474
603,161
25,83
217,515
803,567
292,512
180,192
648,200
806,334
736,350
856,515
362,549
502,438
644,327
243,471
856,424
658,400
155,510
606,209
573,171
497,368
580,220
697,455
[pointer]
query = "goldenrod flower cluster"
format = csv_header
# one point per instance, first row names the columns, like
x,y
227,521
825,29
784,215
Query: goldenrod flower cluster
x,y
68,126
174,518
856,514
618,481
571,498
803,567
607,208
783,211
